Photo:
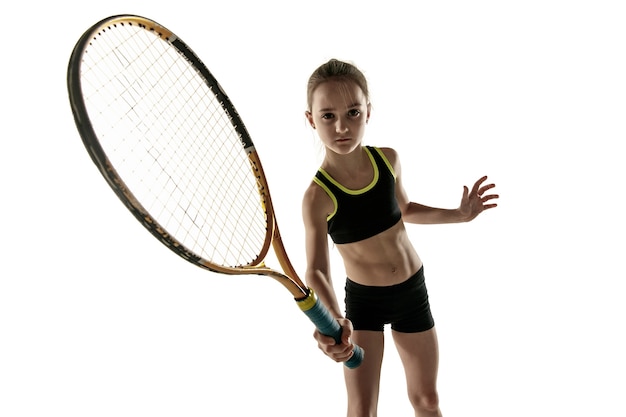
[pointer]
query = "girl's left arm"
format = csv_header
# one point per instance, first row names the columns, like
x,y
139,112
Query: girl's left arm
x,y
473,202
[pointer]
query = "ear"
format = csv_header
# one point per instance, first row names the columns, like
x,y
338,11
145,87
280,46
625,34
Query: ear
x,y
369,111
309,117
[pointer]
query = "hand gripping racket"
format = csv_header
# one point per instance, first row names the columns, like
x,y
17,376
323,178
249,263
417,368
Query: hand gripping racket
x,y
171,145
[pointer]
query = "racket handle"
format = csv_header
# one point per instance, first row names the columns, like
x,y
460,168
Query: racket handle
x,y
327,325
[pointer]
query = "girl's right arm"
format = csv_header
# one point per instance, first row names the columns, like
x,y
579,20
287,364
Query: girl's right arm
x,y
316,204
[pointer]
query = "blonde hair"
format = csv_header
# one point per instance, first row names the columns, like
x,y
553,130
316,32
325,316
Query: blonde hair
x,y
336,70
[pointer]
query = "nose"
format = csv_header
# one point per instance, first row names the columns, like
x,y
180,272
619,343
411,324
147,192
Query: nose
x,y
341,126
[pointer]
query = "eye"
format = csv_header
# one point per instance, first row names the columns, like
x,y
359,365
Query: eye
x,y
354,113
327,116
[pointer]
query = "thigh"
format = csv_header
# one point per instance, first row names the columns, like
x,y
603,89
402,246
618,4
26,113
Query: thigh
x,y
419,353
411,308
363,382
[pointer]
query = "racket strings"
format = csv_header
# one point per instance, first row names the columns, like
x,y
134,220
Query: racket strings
x,y
168,137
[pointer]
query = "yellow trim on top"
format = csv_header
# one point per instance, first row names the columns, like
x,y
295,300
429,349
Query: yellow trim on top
x,y
362,190
330,194
382,155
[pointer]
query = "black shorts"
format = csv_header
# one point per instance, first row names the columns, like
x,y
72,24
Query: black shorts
x,y
405,306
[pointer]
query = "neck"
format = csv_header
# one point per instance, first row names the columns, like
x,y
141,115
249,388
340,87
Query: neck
x,y
354,157
349,164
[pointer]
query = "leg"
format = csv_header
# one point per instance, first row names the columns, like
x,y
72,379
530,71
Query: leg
x,y
419,353
363,383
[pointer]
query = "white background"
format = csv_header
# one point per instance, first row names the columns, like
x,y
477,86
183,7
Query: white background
x,y
99,319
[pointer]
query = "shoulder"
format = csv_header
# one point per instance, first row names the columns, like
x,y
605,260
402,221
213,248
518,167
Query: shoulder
x,y
390,153
392,156
316,203
312,193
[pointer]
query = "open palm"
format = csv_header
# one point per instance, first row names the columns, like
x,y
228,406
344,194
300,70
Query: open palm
x,y
476,201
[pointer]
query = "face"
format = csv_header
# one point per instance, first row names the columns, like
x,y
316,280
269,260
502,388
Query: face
x,y
339,113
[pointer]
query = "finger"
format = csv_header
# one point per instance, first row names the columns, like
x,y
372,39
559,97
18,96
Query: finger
x,y
346,335
328,340
345,356
484,188
323,339
340,352
346,331
489,197
477,184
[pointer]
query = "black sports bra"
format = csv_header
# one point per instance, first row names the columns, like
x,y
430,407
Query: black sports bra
x,y
360,214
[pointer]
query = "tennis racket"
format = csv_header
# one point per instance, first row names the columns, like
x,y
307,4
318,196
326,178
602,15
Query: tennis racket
x,y
169,142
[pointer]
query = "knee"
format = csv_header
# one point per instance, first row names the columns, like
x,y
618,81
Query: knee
x,y
428,401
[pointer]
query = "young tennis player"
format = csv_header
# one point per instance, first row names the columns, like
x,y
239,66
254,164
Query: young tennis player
x,y
357,197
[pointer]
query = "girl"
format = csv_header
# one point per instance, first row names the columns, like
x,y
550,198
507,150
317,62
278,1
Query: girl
x,y
357,197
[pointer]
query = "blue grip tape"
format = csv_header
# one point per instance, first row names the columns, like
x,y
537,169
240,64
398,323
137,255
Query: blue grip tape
x,y
327,325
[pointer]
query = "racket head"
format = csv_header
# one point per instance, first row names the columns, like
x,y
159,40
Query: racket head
x,y
169,142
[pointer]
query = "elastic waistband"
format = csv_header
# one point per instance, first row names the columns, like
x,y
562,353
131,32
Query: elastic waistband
x,y
356,288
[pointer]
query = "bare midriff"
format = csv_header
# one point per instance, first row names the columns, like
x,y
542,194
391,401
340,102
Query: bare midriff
x,y
387,258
